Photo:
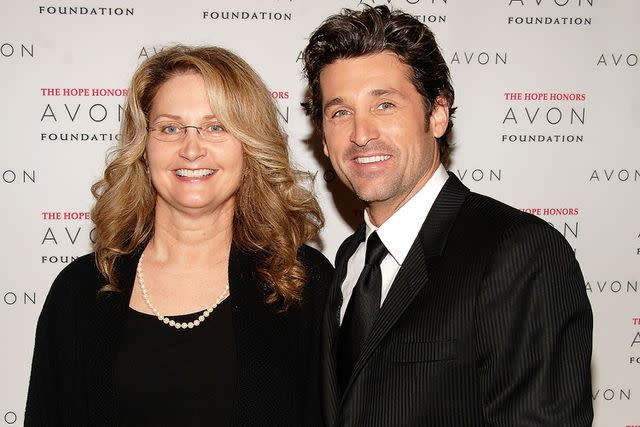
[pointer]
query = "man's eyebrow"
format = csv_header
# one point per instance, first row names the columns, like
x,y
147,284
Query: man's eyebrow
x,y
383,92
333,102
373,92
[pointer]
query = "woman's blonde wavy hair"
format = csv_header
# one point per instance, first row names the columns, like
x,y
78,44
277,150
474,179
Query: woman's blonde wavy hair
x,y
274,213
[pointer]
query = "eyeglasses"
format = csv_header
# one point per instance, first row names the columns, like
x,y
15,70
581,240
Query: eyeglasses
x,y
176,132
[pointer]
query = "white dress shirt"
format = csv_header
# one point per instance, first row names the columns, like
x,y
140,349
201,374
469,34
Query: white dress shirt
x,y
398,234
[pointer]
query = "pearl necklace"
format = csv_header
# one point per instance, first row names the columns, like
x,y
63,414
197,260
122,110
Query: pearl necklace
x,y
171,322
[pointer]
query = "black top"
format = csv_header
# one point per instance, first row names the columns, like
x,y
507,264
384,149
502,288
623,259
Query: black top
x,y
166,376
79,333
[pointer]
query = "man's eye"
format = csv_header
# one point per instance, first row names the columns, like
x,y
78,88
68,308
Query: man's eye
x,y
385,106
340,113
213,127
170,129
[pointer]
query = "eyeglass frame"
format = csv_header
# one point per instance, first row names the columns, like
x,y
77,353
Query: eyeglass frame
x,y
182,134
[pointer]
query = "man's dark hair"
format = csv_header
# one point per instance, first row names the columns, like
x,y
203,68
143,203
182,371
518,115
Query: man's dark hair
x,y
352,34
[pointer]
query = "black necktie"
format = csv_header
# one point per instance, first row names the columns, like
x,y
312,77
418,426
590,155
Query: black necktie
x,y
362,310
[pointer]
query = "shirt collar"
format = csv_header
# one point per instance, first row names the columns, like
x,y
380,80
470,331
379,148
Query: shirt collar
x,y
401,229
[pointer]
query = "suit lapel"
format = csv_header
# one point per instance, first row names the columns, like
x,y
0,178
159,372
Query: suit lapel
x,y
331,324
414,271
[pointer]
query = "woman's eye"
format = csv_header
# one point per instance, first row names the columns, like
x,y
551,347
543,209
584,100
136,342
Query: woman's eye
x,y
214,127
170,129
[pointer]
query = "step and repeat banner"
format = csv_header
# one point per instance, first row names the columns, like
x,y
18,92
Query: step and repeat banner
x,y
548,121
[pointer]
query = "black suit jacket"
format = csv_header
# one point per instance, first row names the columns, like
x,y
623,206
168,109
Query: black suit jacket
x,y
486,324
78,335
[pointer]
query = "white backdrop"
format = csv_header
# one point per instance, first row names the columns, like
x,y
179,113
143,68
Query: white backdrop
x,y
548,96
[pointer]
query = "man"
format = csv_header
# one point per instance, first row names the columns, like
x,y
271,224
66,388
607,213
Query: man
x,y
448,308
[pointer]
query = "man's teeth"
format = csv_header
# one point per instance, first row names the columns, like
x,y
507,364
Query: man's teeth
x,y
194,173
371,159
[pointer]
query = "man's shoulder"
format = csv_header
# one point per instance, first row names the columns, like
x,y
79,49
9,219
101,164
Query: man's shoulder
x,y
487,221
480,214
491,212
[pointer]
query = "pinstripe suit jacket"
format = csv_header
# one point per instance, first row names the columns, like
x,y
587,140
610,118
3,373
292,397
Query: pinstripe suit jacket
x,y
486,324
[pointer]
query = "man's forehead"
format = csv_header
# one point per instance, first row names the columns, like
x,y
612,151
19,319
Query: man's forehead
x,y
373,93
341,83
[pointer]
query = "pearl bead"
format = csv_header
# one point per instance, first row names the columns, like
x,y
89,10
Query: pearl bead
x,y
171,322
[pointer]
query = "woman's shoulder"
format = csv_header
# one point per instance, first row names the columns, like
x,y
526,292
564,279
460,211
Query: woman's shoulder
x,y
319,273
82,267
71,295
80,278
314,261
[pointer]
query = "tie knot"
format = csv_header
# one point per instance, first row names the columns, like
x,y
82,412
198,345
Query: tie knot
x,y
376,250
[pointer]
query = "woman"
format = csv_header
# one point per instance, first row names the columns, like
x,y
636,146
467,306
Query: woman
x,y
201,304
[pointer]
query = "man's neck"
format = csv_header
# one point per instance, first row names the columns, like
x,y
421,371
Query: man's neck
x,y
381,211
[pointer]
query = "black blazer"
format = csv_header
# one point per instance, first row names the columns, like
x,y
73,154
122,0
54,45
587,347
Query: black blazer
x,y
78,335
486,324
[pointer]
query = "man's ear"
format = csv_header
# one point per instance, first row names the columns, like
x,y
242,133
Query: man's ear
x,y
439,119
324,147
